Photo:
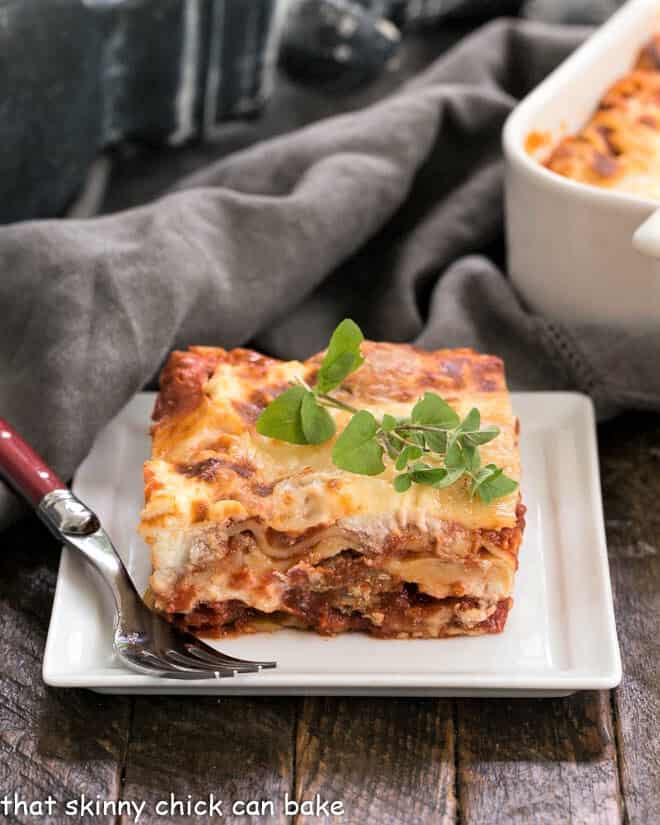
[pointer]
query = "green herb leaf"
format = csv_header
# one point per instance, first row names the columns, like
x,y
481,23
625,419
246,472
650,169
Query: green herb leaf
x,y
486,474
471,422
406,455
343,356
389,422
436,442
472,459
455,458
402,483
413,435
476,439
391,446
483,475
317,423
432,411
356,449
496,486
282,417
450,478
430,475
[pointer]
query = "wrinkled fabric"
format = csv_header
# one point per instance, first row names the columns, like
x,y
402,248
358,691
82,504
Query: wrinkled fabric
x,y
387,215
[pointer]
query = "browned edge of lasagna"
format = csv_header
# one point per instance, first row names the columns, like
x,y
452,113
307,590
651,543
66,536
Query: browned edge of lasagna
x,y
249,533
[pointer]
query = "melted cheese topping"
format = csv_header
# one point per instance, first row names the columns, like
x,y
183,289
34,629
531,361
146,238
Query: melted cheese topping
x,y
305,489
619,148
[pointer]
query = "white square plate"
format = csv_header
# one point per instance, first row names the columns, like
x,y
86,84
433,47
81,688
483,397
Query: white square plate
x,y
560,635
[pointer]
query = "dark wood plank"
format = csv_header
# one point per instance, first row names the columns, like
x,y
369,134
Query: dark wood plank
x,y
538,760
389,761
630,468
239,749
52,742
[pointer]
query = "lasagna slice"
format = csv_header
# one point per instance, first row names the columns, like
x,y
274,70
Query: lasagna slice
x,y
247,532
620,146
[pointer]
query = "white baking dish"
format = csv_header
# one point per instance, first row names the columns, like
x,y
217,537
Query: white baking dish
x,y
577,252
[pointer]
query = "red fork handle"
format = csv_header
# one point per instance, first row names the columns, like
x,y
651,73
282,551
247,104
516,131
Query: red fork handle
x,y
23,468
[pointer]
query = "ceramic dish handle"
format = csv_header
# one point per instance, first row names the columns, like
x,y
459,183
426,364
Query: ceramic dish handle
x,y
647,238
23,468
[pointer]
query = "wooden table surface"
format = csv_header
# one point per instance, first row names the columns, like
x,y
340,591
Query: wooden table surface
x,y
589,758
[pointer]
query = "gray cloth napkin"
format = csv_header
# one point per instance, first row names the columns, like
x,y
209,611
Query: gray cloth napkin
x,y
385,215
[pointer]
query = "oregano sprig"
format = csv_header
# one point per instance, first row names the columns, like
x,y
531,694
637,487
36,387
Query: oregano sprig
x,y
434,432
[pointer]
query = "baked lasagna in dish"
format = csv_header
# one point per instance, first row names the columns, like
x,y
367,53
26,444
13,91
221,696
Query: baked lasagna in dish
x,y
620,146
248,532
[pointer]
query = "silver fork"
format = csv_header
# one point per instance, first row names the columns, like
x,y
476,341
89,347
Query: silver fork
x,y
142,639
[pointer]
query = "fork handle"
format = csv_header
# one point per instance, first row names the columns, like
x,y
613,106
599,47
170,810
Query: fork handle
x,y
23,468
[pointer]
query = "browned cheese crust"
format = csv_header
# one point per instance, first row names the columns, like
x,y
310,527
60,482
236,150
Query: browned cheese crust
x,y
620,146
